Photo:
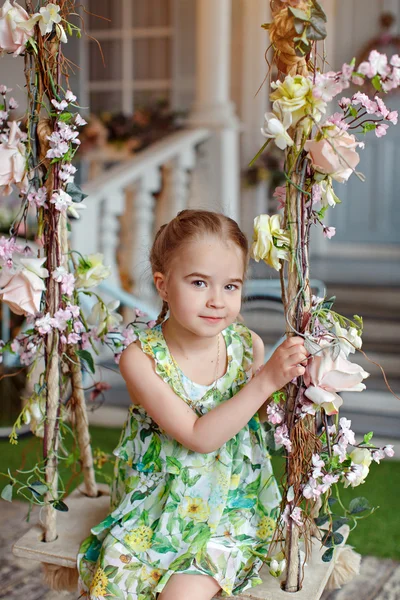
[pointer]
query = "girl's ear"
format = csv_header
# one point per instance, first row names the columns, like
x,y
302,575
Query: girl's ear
x,y
161,285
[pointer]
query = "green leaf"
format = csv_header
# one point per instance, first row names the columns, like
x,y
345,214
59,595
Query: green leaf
x,y
144,433
299,14
369,127
185,476
321,520
353,111
59,505
170,507
376,82
114,591
75,192
110,571
162,544
359,505
194,480
39,487
87,359
181,563
174,465
6,492
368,437
332,501
328,555
332,539
137,496
65,117
153,451
338,523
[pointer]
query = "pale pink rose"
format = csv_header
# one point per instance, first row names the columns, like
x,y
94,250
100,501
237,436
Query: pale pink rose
x,y
13,36
13,162
336,157
21,292
325,377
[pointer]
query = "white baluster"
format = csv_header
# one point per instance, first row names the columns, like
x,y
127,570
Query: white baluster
x,y
175,191
112,208
142,220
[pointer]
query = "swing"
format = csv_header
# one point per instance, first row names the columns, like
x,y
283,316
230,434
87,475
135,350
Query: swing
x,y
89,505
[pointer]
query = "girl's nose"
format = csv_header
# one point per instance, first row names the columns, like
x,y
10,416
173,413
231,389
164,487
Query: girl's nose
x,y
216,300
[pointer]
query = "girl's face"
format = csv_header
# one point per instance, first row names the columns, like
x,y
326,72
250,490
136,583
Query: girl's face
x,y
204,284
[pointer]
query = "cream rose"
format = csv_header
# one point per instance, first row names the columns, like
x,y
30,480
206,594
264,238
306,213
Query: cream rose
x,y
295,95
13,35
91,271
13,162
362,457
270,241
335,154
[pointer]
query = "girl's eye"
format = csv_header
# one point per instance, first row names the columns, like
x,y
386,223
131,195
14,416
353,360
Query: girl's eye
x,y
198,283
231,287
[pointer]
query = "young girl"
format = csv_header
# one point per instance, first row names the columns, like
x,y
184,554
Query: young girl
x,y
194,495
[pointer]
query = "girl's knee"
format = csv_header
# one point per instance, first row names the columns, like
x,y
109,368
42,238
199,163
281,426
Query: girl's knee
x,y
194,587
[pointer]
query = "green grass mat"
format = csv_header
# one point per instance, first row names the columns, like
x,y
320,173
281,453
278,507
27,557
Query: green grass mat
x,y
377,535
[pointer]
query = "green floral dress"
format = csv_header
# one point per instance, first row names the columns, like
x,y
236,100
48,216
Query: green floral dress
x,y
179,511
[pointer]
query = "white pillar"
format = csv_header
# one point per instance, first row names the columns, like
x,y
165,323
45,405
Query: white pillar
x,y
213,107
254,105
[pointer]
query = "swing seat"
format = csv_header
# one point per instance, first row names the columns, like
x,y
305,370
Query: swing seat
x,y
72,527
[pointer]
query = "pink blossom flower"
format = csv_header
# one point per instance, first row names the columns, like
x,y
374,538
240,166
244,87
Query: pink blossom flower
x,y
355,475
327,86
80,121
275,414
336,155
388,450
366,69
4,89
73,338
329,232
85,339
340,450
312,490
44,324
69,96
60,319
393,117
344,102
346,434
8,247
345,75
68,284
338,120
281,437
378,62
296,516
60,106
74,309
370,105
378,455
12,103
58,146
380,131
38,198
317,464
328,480
129,336
67,172
61,200
3,115
395,60
79,327
151,324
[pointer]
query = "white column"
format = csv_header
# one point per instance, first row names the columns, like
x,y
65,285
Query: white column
x,y
254,105
112,208
213,107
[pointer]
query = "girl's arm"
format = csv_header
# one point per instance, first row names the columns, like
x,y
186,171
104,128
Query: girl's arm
x,y
209,432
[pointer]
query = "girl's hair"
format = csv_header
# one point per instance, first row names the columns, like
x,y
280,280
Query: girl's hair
x,y
186,226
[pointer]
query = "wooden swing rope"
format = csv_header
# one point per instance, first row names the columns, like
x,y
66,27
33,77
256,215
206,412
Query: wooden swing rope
x,y
296,296
56,248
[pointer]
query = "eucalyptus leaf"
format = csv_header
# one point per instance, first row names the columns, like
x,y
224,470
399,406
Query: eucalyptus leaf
x,y
299,14
75,192
6,492
328,555
60,505
316,30
321,520
338,523
359,505
87,358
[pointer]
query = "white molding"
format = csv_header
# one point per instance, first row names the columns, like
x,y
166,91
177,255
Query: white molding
x,y
362,251
133,33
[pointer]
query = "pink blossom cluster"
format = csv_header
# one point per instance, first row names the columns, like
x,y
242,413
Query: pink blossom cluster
x,y
281,437
38,198
295,514
319,481
67,280
345,437
275,413
60,140
26,347
66,320
8,247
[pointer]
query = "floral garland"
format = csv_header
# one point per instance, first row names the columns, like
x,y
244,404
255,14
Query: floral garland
x,y
319,149
46,281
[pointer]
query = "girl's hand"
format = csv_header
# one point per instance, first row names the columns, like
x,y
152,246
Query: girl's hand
x,y
287,362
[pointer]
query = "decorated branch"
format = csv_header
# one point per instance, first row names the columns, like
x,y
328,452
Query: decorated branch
x,y
321,148
45,280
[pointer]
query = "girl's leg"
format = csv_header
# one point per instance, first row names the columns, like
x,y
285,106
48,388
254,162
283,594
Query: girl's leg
x,y
193,587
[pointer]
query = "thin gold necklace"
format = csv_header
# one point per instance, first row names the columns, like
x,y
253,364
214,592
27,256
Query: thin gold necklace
x,y
179,370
